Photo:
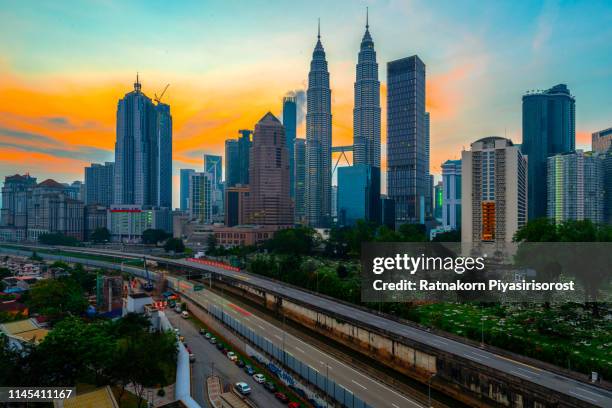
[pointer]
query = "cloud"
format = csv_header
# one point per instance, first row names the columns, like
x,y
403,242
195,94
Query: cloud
x,y
545,25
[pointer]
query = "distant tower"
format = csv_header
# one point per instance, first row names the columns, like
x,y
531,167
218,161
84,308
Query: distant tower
x,y
290,123
269,200
143,151
300,179
318,140
366,113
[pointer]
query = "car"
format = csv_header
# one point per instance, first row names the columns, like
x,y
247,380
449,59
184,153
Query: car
x,y
178,309
208,335
232,356
185,314
249,370
202,332
240,363
243,388
191,357
213,340
219,346
281,397
293,404
270,386
259,378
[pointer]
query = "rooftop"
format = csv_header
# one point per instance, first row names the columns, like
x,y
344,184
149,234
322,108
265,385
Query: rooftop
x,y
99,398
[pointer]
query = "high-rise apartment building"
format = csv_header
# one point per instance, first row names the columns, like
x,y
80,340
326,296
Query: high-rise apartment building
x,y
290,124
494,191
184,177
366,111
602,140
407,172
237,159
16,193
143,151
318,140
200,197
549,127
99,182
269,200
575,187
358,194
299,160
451,194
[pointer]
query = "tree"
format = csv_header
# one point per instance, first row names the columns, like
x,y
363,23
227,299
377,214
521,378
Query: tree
x,y
175,245
413,233
100,235
154,236
211,244
448,236
537,230
341,271
57,298
292,241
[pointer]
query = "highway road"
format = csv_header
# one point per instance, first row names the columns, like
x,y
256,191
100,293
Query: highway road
x,y
561,384
363,386
207,355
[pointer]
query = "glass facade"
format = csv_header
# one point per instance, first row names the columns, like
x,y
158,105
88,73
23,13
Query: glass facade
x,y
358,194
184,188
290,124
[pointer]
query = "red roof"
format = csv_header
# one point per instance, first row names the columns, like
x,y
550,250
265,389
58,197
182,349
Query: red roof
x,y
50,183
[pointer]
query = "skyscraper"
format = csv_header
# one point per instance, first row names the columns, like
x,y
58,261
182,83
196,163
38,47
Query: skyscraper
x,y
318,140
451,194
358,194
407,172
300,179
429,203
575,187
494,196
16,194
549,127
269,200
213,165
185,175
366,112
143,151
232,163
602,140
290,124
200,197
99,179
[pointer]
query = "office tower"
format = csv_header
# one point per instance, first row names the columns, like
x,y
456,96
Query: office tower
x,y
236,205
237,159
75,190
213,165
366,111
607,184
334,203
51,210
95,217
575,187
358,194
494,195
16,192
232,163
429,206
99,179
602,140
549,127
143,151
127,222
318,140
163,157
438,199
407,172
184,177
451,194
290,124
200,197
300,180
269,200
387,210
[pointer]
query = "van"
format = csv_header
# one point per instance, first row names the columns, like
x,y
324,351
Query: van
x,y
185,314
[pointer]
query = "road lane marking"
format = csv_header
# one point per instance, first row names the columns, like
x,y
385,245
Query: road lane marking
x,y
582,396
278,337
261,327
521,374
589,392
299,349
356,383
395,405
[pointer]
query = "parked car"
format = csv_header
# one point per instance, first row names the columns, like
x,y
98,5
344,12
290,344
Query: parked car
x,y
202,332
240,363
220,347
270,386
243,388
178,309
185,314
259,378
213,340
281,397
191,357
293,404
208,335
249,370
232,356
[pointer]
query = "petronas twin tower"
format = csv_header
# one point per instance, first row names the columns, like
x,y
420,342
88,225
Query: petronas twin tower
x,y
366,126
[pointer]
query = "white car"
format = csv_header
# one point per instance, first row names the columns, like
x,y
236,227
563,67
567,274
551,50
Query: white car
x,y
243,388
232,356
259,378
185,314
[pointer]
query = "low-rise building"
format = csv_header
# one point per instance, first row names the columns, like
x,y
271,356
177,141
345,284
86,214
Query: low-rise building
x,y
23,331
243,235
126,223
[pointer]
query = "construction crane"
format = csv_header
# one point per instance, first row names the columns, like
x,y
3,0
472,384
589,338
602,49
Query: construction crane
x,y
158,99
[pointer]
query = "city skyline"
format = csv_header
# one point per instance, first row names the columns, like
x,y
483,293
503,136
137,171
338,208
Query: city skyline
x,y
58,97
